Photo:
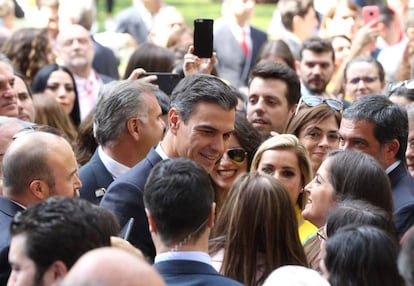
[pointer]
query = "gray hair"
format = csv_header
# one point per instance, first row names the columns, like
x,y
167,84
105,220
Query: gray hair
x,y
119,101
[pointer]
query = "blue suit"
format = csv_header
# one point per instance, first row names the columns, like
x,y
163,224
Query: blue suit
x,y
191,273
94,177
403,194
232,63
8,209
125,199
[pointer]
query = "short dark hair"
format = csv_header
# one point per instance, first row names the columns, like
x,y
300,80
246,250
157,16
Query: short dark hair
x,y
61,228
317,45
271,70
356,175
390,119
366,59
362,255
179,195
291,8
201,88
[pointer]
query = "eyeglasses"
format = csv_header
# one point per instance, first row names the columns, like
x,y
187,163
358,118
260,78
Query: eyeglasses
x,y
321,234
365,79
237,155
392,87
312,101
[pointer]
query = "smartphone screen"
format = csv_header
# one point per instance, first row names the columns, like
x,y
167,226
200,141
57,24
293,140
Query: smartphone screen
x,y
165,81
203,38
370,13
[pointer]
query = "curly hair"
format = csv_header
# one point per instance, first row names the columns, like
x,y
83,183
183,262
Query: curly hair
x,y
29,49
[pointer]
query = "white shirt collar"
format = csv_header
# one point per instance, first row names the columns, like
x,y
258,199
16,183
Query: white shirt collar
x,y
115,168
184,255
392,167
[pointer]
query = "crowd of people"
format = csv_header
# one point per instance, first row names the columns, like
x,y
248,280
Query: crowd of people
x,y
286,158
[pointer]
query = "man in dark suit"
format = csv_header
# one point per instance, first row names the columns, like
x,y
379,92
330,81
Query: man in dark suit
x,y
200,120
236,42
179,203
36,165
125,131
376,126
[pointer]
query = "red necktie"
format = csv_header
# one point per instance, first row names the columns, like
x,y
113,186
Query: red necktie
x,y
244,45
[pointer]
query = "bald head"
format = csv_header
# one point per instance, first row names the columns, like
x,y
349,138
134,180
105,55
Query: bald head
x,y
38,165
102,267
76,49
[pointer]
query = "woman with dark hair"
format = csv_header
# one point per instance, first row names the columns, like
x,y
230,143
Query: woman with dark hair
x,y
256,230
58,82
358,212
237,158
347,174
344,175
151,58
401,95
361,256
316,127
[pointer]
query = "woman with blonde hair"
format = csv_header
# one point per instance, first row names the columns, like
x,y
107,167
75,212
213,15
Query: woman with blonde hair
x,y
284,158
256,230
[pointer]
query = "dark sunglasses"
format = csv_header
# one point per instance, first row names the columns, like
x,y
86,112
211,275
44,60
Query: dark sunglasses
x,y
392,87
313,101
237,155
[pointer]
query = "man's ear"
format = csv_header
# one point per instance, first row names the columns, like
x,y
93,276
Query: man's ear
x,y
39,189
174,120
151,222
55,273
212,216
391,149
134,126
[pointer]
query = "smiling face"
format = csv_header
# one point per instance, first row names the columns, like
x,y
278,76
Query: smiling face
x,y
319,138
227,170
60,86
284,166
202,138
321,197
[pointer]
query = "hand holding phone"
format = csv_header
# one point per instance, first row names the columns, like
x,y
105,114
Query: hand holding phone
x,y
203,37
370,14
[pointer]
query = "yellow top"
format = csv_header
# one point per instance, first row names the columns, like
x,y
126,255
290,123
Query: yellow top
x,y
306,228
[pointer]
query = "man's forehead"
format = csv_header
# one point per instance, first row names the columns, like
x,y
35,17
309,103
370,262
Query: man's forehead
x,y
361,126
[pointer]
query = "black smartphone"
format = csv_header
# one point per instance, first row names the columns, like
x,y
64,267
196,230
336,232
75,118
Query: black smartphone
x,y
166,81
203,37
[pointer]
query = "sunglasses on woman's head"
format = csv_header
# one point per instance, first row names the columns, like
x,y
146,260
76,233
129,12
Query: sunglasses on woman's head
x,y
237,155
312,101
392,87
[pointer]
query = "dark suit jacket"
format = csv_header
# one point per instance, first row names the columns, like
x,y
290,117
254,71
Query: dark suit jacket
x,y
232,63
130,21
194,273
94,176
104,61
7,210
403,194
125,199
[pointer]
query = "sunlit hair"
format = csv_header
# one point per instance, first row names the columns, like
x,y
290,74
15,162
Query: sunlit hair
x,y
258,230
291,143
